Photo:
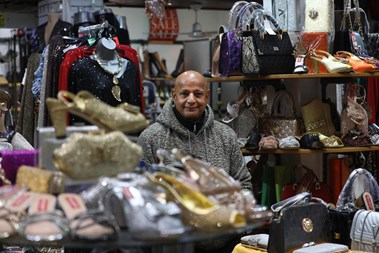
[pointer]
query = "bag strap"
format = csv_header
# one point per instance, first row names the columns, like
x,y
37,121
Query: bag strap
x,y
307,181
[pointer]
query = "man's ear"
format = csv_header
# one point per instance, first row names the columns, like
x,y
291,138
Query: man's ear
x,y
173,93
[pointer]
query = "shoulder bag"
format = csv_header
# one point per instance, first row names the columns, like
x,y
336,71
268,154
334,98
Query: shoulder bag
x,y
266,53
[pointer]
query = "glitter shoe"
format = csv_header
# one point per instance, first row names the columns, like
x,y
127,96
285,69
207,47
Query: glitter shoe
x,y
198,211
125,117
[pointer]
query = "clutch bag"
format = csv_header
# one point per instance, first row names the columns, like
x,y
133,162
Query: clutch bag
x,y
323,248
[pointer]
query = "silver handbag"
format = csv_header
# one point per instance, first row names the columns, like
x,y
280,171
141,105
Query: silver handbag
x,y
364,231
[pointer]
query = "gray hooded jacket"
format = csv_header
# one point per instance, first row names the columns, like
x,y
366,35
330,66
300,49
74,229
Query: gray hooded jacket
x,y
215,143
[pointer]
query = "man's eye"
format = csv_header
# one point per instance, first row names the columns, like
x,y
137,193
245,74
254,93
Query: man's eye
x,y
184,94
199,94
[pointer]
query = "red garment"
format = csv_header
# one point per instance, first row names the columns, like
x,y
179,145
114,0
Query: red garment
x,y
372,97
74,54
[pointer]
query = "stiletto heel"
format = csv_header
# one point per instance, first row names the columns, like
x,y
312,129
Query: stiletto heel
x,y
57,111
125,118
198,211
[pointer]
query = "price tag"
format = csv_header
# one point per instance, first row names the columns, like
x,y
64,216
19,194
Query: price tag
x,y
268,27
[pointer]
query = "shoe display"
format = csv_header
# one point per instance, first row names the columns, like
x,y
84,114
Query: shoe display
x,y
359,65
332,64
125,117
197,210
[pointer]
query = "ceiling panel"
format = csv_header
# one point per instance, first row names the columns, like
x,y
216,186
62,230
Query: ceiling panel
x,y
206,4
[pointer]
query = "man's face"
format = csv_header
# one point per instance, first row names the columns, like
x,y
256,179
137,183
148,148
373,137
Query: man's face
x,y
190,95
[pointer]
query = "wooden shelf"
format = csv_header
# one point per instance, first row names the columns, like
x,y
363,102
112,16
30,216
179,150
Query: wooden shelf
x,y
247,152
293,76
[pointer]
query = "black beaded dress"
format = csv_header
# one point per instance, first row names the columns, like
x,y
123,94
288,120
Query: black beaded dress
x,y
87,74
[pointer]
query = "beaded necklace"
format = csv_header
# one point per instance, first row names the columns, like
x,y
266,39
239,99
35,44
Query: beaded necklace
x,y
116,90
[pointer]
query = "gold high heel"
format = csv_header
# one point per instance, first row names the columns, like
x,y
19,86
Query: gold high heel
x,y
197,210
125,117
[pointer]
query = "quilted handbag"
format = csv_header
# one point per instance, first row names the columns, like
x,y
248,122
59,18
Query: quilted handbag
x,y
297,222
231,42
364,231
264,53
282,121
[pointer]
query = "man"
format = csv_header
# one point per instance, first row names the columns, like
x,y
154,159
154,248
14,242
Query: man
x,y
187,123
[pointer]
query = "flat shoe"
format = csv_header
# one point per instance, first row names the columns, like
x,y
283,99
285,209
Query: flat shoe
x,y
289,142
268,143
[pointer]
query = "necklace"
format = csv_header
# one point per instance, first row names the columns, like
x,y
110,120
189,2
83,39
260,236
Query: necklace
x,y
116,90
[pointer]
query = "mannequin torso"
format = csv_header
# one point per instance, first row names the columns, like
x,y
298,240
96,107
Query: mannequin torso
x,y
52,19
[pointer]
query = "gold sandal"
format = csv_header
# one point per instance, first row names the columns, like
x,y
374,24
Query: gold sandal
x,y
125,117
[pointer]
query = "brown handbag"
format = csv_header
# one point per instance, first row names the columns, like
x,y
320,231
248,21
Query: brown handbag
x,y
282,121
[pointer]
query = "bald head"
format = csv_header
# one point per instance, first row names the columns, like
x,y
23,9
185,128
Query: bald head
x,y
190,94
191,76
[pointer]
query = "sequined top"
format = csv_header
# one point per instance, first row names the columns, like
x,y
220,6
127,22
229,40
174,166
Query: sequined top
x,y
86,74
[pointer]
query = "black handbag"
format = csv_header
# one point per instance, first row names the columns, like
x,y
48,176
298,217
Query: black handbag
x,y
341,219
298,222
351,36
264,53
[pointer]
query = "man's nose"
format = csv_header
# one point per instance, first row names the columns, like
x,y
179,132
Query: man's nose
x,y
191,98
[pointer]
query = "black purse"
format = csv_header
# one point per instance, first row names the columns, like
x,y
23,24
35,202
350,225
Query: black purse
x,y
298,222
351,37
341,219
264,53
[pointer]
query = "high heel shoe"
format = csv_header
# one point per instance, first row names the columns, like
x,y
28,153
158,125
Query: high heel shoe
x,y
332,64
359,65
197,210
125,117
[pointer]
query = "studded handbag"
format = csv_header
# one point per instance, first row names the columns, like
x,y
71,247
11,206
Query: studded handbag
x,y
264,53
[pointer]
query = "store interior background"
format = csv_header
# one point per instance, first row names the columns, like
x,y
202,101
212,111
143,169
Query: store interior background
x,y
20,14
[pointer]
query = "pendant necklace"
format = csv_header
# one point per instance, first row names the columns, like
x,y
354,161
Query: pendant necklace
x,y
116,90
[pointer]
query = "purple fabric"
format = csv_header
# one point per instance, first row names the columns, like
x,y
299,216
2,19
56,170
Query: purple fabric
x,y
230,54
12,160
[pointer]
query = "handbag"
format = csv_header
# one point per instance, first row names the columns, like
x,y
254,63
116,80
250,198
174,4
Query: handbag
x,y
341,220
265,53
319,16
353,117
308,183
323,248
282,121
315,41
297,222
364,231
353,37
231,42
317,118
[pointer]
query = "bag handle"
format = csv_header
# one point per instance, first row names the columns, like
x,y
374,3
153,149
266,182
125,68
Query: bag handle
x,y
252,6
283,105
258,21
300,198
233,13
